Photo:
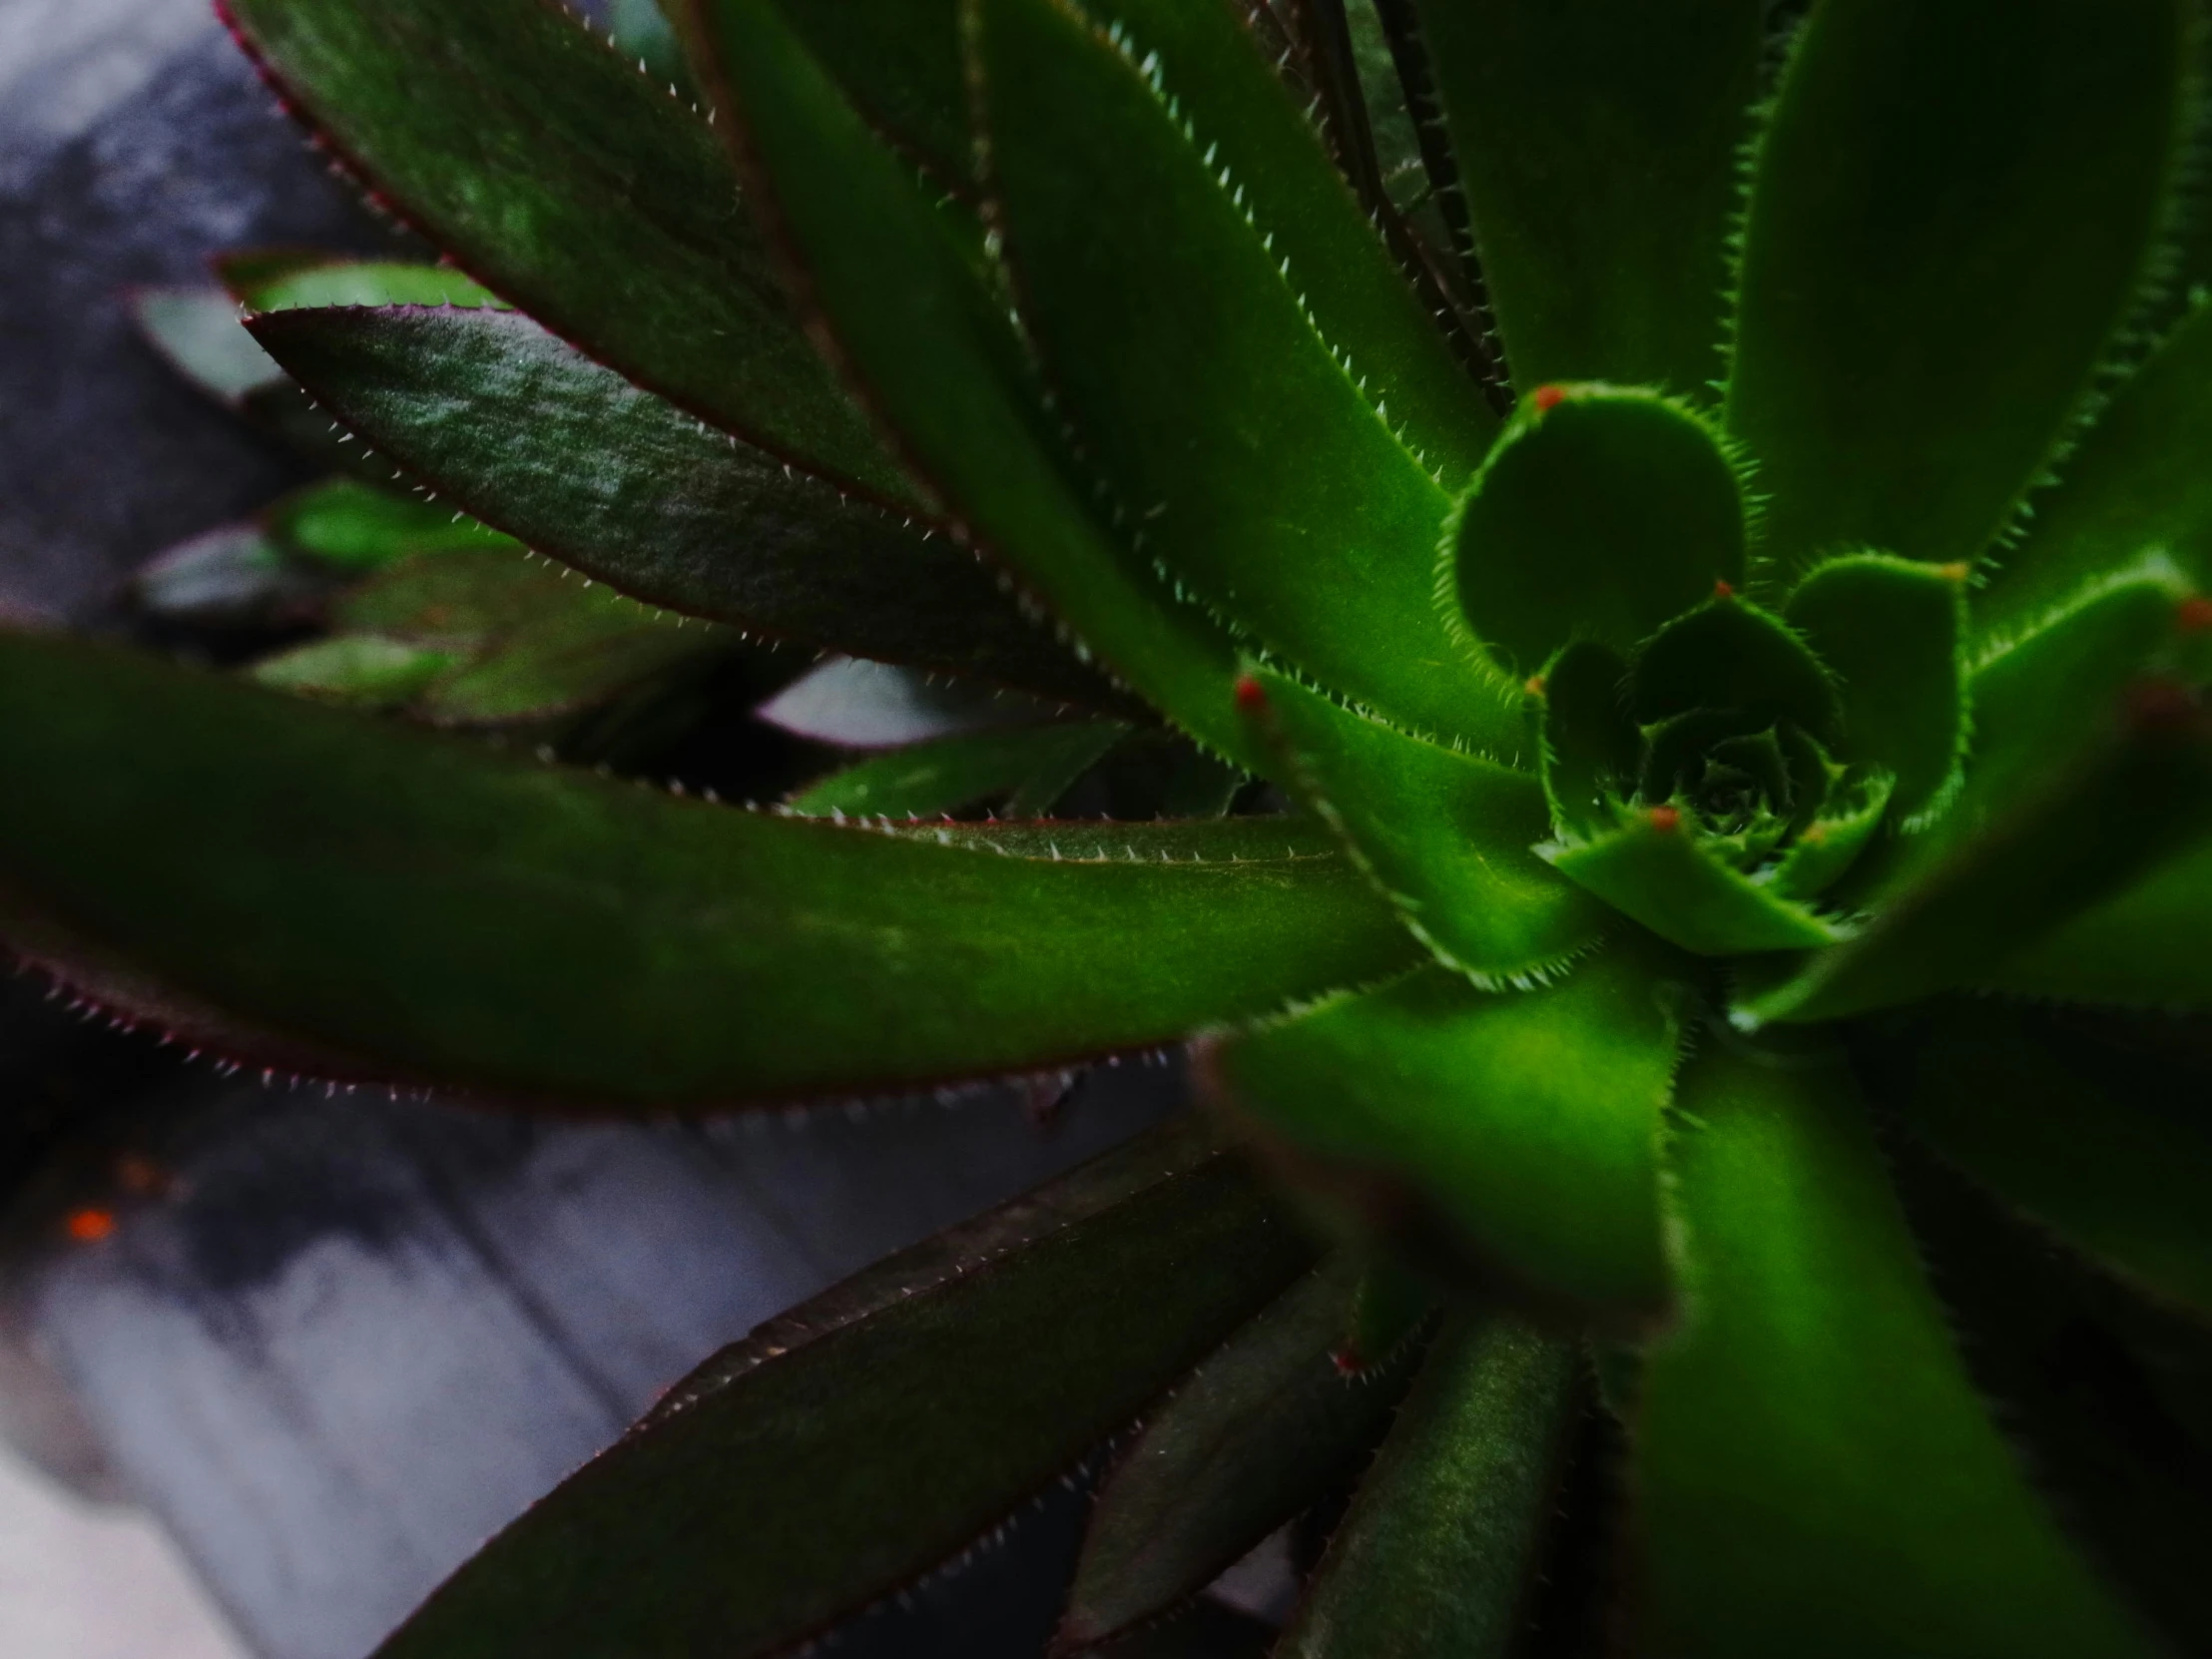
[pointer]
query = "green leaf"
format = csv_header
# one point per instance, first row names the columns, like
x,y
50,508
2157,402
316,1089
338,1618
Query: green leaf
x,y
365,670
1261,1430
2049,1336
1892,632
1730,655
900,66
2046,693
1814,1472
1446,836
333,892
2102,1142
363,282
925,779
2144,948
197,330
1826,849
500,416
1231,442
355,528
562,180
2133,483
884,1427
1591,750
1913,349
1525,1123
1657,868
940,360
1597,148
1958,910
1435,1558
1600,513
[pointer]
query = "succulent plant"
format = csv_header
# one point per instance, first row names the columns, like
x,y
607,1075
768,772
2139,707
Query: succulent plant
x,y
1691,512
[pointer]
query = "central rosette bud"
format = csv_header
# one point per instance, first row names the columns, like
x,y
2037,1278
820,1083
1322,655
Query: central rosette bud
x,y
1715,756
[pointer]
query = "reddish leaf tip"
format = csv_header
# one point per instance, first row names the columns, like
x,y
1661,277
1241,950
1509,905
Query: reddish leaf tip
x,y
1547,398
1666,820
1252,696
1346,1360
1958,570
2194,614
1534,685
1724,590
89,1225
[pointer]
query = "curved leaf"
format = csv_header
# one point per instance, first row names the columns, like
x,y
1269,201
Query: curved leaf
x,y
1445,835
1525,1123
311,283
1655,869
2104,1144
1437,1557
1257,1434
1894,389
1229,438
378,900
867,1437
571,184
1597,148
2145,947
1814,1472
2136,482
1892,632
1601,513
524,431
924,779
938,359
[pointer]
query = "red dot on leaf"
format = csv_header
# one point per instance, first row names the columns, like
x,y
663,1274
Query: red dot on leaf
x,y
1724,590
1252,696
1347,1361
2194,614
1548,399
90,1226
1666,820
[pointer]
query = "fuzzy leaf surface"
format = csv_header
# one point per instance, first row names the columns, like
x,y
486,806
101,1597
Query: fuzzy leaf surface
x,y
501,417
1892,632
1437,1556
2133,483
934,350
900,65
565,181
885,1428
1912,347
951,772
323,283
1597,520
1254,1435
1597,148
420,907
1526,1123
1229,441
1655,869
1814,1472
2103,1144
1446,835
2030,853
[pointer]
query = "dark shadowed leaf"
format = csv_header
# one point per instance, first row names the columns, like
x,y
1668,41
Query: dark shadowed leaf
x,y
571,184
925,779
1258,1432
1435,1558
859,1442
240,862
501,417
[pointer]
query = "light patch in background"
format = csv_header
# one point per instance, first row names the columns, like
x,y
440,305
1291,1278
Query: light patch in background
x,y
80,1580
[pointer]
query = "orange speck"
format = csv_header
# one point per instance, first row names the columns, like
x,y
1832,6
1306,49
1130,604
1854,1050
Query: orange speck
x,y
139,1174
1548,399
1956,571
1252,696
90,1226
2194,614
1724,590
1666,820
1534,685
1347,1361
